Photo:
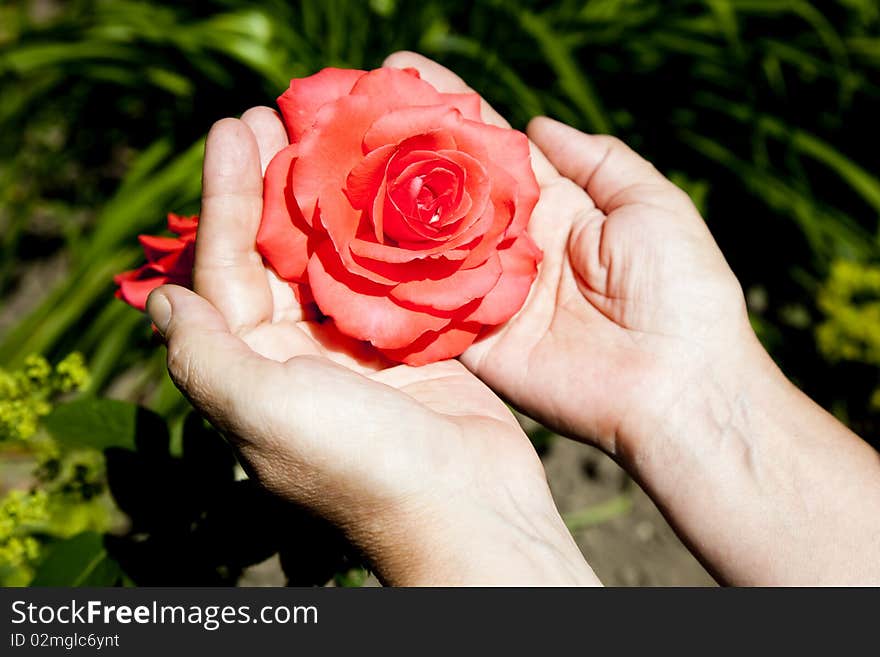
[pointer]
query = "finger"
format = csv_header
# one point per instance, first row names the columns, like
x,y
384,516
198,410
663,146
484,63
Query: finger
x,y
445,81
212,367
271,137
611,173
228,271
268,130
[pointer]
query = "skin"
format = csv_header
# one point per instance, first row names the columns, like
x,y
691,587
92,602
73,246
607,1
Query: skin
x,y
635,338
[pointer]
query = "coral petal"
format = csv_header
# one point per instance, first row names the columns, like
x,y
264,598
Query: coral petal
x,y
299,105
434,346
362,309
453,291
282,238
519,263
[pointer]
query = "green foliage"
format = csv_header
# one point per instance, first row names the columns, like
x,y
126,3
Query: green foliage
x,y
353,578
26,394
68,483
80,560
850,333
20,512
599,513
111,499
851,300
99,423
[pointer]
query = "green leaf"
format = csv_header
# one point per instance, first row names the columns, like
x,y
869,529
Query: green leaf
x,y
598,513
103,423
352,578
570,76
80,560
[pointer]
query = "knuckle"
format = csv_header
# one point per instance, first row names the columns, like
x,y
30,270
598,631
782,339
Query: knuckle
x,y
612,147
613,143
184,370
679,199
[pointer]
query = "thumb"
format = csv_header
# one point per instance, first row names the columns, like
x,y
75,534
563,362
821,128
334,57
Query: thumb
x,y
611,173
215,369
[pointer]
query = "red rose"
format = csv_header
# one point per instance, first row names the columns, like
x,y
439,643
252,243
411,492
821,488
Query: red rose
x,y
169,260
399,211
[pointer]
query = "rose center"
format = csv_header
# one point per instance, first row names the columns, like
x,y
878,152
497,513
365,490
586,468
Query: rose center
x,y
427,199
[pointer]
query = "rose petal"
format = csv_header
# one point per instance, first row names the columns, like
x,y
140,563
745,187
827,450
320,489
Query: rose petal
x,y
451,291
365,186
299,105
415,270
176,265
446,176
507,150
156,247
361,308
406,252
396,87
135,290
478,187
182,225
519,264
282,238
434,346
468,104
435,140
503,194
365,179
330,150
341,222
396,126
303,294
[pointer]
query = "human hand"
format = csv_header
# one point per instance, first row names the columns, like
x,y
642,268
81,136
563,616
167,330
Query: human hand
x,y
636,337
633,301
424,469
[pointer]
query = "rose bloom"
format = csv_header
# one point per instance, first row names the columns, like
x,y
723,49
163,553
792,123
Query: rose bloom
x,y
169,260
398,212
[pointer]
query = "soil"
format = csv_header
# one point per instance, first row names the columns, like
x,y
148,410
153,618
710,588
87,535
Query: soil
x,y
635,548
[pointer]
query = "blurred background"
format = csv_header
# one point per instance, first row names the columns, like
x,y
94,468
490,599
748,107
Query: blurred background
x,y
765,111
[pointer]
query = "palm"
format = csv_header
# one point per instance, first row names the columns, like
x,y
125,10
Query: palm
x,y
621,298
445,387
264,312
561,345
466,427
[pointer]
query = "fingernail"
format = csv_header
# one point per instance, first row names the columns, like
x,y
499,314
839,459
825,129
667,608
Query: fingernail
x,y
159,310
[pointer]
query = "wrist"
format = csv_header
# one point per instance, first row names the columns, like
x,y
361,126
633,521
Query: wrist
x,y
457,540
700,399
764,485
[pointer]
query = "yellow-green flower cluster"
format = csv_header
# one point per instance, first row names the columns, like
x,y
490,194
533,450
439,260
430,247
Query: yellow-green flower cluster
x,y
19,512
68,498
26,394
850,299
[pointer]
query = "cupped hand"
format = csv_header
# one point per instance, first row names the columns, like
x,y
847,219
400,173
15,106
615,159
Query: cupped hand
x,y
425,469
633,301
